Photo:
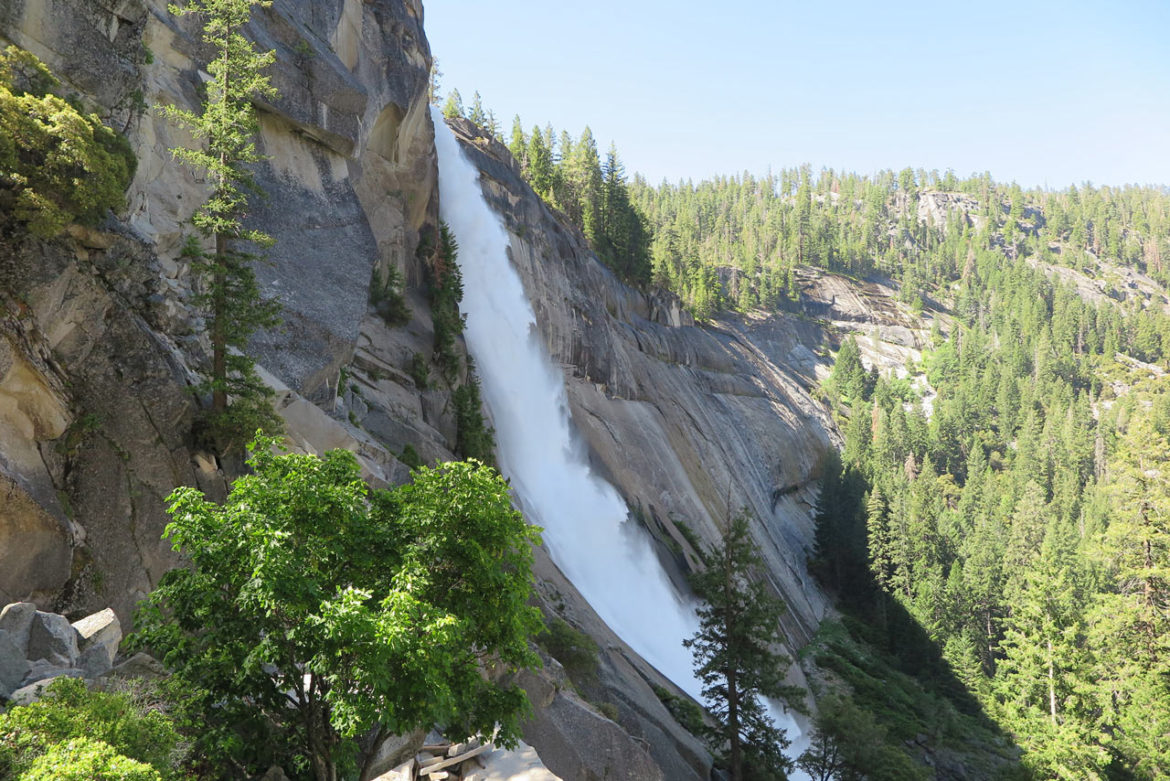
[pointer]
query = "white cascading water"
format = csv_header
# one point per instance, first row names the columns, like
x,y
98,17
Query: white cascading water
x,y
607,557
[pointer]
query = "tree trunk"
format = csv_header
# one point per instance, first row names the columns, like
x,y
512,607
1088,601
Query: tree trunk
x,y
735,755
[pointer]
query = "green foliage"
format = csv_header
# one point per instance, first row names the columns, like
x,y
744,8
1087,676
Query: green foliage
x,y
80,734
453,107
419,371
737,241
685,711
83,759
410,456
739,628
575,650
850,745
849,378
1019,534
473,437
57,165
226,129
593,195
387,298
880,707
315,610
227,125
446,291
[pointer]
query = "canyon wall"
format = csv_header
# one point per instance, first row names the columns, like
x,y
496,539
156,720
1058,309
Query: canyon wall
x,y
100,344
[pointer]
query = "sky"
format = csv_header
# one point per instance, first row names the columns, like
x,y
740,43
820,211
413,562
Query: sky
x,y
1042,93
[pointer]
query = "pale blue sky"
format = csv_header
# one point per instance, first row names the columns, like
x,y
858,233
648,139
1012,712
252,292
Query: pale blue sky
x,y
1036,91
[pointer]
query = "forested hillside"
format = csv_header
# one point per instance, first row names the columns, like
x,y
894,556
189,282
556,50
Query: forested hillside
x,y
1021,518
1012,533
1023,523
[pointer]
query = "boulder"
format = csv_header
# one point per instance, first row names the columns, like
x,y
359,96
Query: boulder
x,y
393,751
16,619
576,742
139,665
404,772
34,691
95,660
52,638
503,765
13,665
40,670
100,630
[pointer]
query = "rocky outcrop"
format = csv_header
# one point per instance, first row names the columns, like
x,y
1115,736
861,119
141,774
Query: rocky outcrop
x,y
99,343
37,646
936,207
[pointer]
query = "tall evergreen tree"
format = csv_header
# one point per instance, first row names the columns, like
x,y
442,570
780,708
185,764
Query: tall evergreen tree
x,y
736,657
227,127
518,144
476,115
453,107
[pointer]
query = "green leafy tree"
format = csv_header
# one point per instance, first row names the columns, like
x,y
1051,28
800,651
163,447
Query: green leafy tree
x,y
735,657
57,164
315,610
227,128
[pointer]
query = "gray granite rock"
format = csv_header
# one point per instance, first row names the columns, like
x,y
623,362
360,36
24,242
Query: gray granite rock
x,y
13,665
43,668
95,660
100,630
16,619
139,665
52,638
393,751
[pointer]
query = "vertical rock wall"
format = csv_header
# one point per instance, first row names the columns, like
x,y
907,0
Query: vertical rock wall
x,y
99,344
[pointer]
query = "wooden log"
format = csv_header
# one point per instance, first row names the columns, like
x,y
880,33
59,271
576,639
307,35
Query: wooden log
x,y
455,760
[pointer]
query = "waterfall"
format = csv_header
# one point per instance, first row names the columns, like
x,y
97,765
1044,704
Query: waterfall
x,y
606,556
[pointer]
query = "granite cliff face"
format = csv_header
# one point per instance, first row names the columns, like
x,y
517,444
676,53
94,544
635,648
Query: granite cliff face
x,y
98,340
685,421
99,345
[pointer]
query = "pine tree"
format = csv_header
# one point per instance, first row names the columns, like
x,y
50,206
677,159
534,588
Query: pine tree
x,y
736,660
518,145
540,164
228,126
476,115
584,170
881,561
434,82
1131,621
454,105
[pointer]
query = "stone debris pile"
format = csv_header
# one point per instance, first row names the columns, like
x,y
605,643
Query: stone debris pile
x,y
36,647
471,760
